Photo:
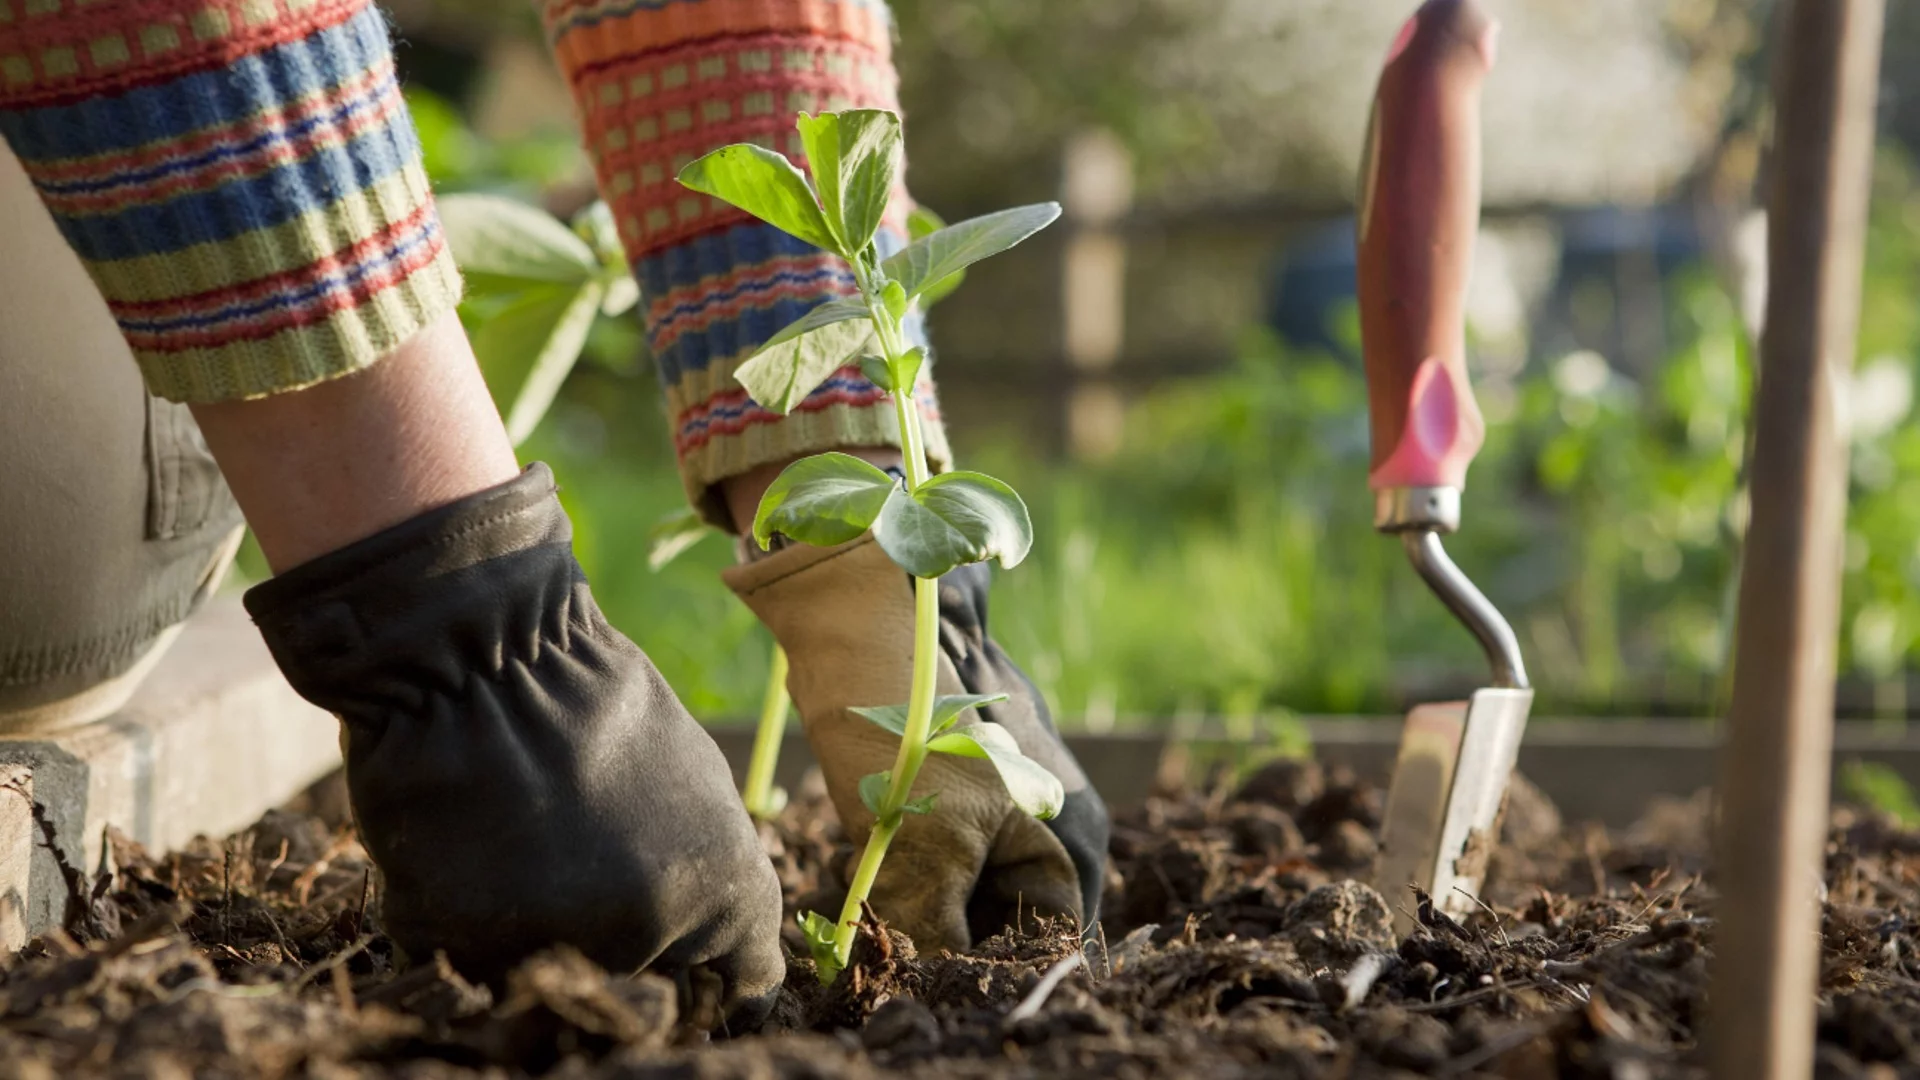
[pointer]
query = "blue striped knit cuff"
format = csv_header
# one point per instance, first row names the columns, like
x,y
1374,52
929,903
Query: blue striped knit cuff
x,y
240,178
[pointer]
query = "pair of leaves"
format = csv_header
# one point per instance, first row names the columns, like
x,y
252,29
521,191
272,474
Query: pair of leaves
x,y
820,932
855,160
951,520
551,282
855,157
1033,789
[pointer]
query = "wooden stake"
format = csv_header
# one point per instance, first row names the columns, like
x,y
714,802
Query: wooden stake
x,y
1779,734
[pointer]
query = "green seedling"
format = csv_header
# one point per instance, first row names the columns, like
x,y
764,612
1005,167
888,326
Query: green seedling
x,y
926,524
671,537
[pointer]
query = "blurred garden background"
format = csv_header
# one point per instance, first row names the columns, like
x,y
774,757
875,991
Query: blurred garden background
x,y
1171,375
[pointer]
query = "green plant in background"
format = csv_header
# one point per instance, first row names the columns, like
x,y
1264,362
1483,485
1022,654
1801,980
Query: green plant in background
x,y
534,289
674,534
1879,787
928,525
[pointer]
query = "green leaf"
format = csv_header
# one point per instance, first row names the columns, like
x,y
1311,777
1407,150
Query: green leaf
x,y
674,534
527,348
820,931
941,289
784,372
838,310
954,519
895,298
823,500
922,805
934,256
873,790
876,371
498,237
921,221
622,293
1032,788
765,185
911,362
948,707
854,157
891,717
595,226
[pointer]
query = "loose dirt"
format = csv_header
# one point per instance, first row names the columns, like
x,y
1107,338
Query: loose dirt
x,y
1238,941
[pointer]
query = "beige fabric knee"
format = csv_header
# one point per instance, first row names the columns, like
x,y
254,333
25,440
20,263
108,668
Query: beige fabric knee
x,y
114,522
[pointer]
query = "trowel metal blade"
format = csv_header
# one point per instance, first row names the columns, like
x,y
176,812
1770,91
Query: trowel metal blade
x,y
1443,806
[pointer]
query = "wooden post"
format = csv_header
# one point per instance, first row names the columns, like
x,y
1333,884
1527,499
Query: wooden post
x,y
1779,732
1097,191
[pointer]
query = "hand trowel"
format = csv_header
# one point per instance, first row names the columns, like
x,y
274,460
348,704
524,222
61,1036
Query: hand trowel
x,y
1419,211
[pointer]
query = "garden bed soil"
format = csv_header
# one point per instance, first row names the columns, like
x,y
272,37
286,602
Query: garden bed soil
x,y
1237,942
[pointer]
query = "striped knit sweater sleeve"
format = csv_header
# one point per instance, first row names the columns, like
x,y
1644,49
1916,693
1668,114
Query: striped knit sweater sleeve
x,y
240,177
656,84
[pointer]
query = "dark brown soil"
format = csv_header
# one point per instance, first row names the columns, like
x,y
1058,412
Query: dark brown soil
x,y
1238,942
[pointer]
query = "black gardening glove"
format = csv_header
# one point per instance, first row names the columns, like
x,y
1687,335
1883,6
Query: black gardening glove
x,y
984,668
957,875
519,771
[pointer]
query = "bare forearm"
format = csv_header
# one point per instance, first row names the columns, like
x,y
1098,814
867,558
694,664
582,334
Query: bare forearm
x,y
317,469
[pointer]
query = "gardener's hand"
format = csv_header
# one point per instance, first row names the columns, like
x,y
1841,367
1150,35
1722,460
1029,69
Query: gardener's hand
x,y
519,771
967,870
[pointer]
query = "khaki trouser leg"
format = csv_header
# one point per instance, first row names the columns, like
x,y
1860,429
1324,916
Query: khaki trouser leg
x,y
114,522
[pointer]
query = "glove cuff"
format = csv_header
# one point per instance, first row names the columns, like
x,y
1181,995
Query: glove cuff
x,y
468,589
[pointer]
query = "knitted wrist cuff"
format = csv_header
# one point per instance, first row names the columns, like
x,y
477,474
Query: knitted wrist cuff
x,y
240,178
657,86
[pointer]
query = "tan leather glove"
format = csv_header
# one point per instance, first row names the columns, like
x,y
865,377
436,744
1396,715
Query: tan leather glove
x,y
969,869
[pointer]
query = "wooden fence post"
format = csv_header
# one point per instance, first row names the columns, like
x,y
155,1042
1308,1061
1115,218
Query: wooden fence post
x,y
1097,192
1779,731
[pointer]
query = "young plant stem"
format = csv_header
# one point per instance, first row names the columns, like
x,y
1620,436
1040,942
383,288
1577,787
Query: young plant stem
x,y
758,793
926,631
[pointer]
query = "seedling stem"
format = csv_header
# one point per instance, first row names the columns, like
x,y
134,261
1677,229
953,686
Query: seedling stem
x,y
759,793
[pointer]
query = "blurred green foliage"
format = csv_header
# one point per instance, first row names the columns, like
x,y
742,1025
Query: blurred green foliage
x,y
1879,787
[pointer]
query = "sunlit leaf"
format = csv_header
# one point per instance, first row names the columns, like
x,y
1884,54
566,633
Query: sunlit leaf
x,y
921,221
498,237
952,520
764,184
1032,788
875,369
891,717
527,349
782,374
855,158
947,709
838,310
925,261
823,500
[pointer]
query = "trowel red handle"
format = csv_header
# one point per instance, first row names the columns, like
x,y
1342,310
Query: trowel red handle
x,y
1419,210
